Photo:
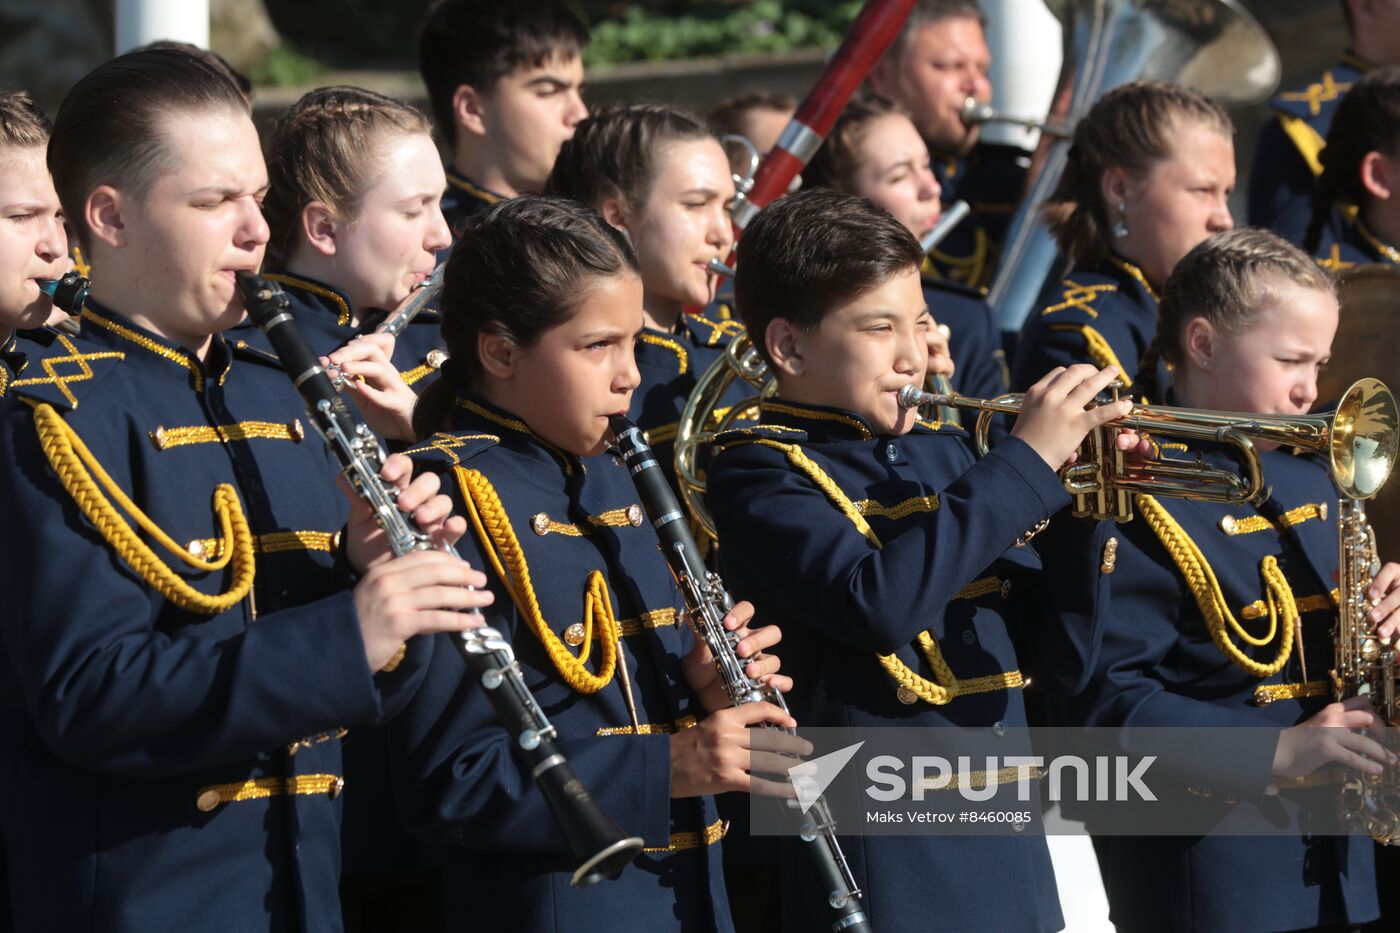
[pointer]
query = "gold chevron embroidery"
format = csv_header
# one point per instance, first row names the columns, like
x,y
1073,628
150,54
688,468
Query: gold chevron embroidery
x,y
1319,93
1081,297
62,380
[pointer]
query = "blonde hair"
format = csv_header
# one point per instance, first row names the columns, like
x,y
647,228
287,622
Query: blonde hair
x,y
322,149
22,123
1132,127
1227,279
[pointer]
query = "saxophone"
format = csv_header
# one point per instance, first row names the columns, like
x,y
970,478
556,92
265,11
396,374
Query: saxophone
x,y
1365,666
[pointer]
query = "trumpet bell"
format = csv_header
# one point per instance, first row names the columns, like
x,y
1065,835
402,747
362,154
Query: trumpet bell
x,y
1363,440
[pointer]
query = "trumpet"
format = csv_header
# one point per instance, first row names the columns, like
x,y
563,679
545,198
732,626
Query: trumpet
x,y
1360,439
976,113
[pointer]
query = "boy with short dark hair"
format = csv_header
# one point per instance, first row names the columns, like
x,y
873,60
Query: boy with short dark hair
x,y
504,81
894,562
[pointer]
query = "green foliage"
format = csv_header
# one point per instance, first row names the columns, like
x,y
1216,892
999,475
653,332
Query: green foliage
x,y
763,26
286,67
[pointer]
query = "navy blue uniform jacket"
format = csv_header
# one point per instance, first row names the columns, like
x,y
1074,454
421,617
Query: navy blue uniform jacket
x,y
578,528
172,768
856,544
1104,316
1160,665
1287,157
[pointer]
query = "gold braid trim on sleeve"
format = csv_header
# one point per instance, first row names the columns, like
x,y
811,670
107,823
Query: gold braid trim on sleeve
x,y
81,474
1199,576
502,548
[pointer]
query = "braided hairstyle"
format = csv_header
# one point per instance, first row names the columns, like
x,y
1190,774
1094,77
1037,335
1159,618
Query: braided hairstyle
x,y
1226,279
615,152
1132,127
518,270
327,148
1367,120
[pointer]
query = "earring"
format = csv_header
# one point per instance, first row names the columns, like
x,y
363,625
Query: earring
x,y
1205,364
1120,228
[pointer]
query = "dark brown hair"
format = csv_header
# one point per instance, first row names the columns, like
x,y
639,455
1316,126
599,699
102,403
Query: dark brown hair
x,y
478,42
614,152
115,125
1226,279
1367,120
729,116
518,270
835,164
22,123
1131,127
324,149
239,79
808,253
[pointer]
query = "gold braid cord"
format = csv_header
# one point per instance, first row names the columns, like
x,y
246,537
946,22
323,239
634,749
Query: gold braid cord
x,y
1278,596
493,529
947,686
81,475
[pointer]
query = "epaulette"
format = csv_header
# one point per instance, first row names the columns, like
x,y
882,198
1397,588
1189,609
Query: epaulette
x,y
711,332
752,433
1312,100
450,450
1081,297
956,288
64,372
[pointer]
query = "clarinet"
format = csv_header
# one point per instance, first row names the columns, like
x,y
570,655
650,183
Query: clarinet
x,y
598,847
706,602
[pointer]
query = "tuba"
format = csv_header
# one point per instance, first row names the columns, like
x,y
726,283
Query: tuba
x,y
1212,45
1360,439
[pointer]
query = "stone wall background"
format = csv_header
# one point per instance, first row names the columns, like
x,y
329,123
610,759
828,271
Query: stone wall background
x,y
46,45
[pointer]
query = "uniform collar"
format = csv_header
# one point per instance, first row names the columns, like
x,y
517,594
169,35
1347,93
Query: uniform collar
x,y
1378,249
12,363
1130,272
817,420
105,327
472,412
464,184
1351,60
316,295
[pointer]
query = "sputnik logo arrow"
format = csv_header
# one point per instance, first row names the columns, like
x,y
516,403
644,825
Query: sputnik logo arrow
x,y
811,778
